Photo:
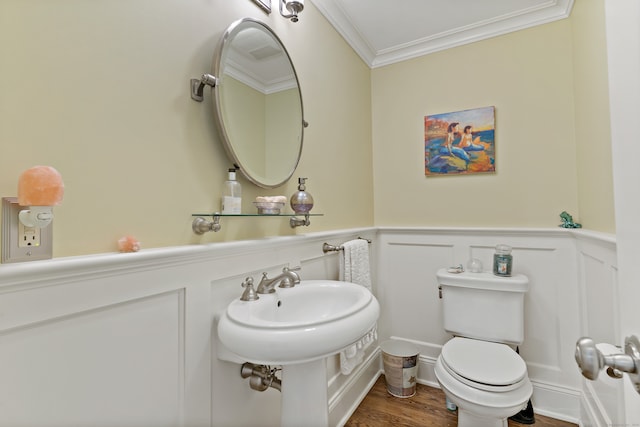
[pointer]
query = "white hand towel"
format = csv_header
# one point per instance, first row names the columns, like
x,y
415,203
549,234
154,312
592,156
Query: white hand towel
x,y
354,263
354,267
353,355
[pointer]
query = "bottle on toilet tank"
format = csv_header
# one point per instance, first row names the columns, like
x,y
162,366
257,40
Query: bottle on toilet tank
x,y
232,195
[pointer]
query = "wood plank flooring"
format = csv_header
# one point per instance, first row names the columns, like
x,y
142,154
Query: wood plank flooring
x,y
425,409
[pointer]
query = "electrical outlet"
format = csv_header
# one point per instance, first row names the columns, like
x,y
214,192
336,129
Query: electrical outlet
x,y
28,236
20,243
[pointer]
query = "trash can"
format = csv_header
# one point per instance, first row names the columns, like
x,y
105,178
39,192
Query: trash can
x,y
400,360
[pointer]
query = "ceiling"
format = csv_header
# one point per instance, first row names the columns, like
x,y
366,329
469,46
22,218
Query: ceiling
x,y
386,31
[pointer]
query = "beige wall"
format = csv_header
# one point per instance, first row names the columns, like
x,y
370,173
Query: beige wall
x,y
528,77
100,91
553,150
593,130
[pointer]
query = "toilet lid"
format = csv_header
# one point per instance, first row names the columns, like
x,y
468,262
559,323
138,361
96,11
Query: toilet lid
x,y
484,362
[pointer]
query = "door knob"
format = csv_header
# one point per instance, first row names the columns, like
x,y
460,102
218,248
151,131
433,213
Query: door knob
x,y
591,360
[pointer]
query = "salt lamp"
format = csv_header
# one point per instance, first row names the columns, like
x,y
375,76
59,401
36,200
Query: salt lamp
x,y
40,188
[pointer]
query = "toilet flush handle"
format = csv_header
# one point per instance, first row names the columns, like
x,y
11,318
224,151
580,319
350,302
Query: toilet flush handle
x,y
591,360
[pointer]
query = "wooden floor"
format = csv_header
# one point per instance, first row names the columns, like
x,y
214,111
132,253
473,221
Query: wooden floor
x,y
425,409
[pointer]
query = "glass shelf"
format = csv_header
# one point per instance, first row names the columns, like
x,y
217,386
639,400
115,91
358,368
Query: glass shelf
x,y
201,225
256,214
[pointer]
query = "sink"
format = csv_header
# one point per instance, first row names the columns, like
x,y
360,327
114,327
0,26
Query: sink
x,y
297,328
313,320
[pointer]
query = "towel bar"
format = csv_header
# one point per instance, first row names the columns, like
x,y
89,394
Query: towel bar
x,y
332,248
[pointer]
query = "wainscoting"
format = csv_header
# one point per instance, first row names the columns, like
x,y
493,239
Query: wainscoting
x,y
571,293
130,339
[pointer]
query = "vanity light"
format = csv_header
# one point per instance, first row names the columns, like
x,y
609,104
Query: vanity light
x,y
39,188
293,6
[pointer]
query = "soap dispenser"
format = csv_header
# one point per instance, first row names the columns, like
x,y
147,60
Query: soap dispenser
x,y
301,201
232,195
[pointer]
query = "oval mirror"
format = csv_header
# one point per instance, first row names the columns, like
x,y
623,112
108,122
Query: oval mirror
x,y
258,104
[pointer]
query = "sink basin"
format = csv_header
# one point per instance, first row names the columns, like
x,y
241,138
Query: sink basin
x,y
312,320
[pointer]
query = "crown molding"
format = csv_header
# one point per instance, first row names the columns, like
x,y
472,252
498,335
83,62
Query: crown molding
x,y
547,12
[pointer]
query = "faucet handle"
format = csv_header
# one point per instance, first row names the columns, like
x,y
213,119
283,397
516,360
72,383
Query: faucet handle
x,y
249,293
290,282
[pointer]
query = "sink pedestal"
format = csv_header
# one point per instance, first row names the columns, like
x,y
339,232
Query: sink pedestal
x,y
304,395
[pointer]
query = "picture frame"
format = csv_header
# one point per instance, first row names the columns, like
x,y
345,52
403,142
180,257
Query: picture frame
x,y
460,142
265,5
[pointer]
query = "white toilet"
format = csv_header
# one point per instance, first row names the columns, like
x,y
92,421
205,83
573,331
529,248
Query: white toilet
x,y
478,369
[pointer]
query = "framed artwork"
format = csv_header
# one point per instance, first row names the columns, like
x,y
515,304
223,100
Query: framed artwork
x,y
460,143
265,5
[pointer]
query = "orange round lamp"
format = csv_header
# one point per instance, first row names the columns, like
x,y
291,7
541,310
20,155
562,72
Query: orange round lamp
x,y
40,186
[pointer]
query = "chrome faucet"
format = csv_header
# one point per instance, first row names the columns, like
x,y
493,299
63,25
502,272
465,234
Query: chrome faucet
x,y
287,279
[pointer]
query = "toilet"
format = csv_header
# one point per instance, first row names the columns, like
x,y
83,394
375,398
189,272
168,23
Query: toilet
x,y
478,369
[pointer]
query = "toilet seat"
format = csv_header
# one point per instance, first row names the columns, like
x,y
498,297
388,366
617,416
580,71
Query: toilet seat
x,y
483,365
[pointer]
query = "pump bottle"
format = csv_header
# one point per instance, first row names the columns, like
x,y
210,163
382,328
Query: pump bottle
x,y
301,201
232,195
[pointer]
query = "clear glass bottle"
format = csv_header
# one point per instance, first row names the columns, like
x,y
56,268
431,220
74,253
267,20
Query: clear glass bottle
x,y
301,201
232,195
502,261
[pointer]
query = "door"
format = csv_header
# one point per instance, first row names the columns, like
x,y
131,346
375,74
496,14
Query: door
x,y
623,46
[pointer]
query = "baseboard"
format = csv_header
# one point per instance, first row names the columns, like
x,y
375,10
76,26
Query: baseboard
x,y
592,412
345,400
588,415
561,403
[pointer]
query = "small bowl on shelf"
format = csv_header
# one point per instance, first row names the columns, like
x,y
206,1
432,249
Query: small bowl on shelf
x,y
268,208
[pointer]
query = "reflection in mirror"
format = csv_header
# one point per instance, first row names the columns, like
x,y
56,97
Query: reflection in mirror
x,y
258,103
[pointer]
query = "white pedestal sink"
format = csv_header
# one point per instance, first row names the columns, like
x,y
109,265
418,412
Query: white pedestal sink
x,y
298,328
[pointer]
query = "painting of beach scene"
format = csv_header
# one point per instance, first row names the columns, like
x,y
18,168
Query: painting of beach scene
x,y
460,143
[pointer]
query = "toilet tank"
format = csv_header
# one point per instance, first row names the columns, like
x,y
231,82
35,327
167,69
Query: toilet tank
x,y
483,306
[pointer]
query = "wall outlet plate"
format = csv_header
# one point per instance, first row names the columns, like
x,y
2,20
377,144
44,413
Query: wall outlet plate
x,y
28,236
15,249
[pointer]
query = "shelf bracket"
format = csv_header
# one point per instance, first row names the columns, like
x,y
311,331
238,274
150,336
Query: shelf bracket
x,y
201,225
298,222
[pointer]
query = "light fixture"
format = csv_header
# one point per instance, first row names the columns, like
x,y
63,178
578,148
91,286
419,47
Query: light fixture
x,y
293,6
39,188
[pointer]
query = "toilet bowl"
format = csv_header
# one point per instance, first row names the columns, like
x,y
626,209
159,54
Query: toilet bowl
x,y
478,369
487,381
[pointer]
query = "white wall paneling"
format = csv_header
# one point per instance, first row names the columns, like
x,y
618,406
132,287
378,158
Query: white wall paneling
x,y
409,259
599,319
65,370
130,339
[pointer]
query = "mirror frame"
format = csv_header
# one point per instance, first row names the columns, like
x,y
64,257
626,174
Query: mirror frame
x,y
217,69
